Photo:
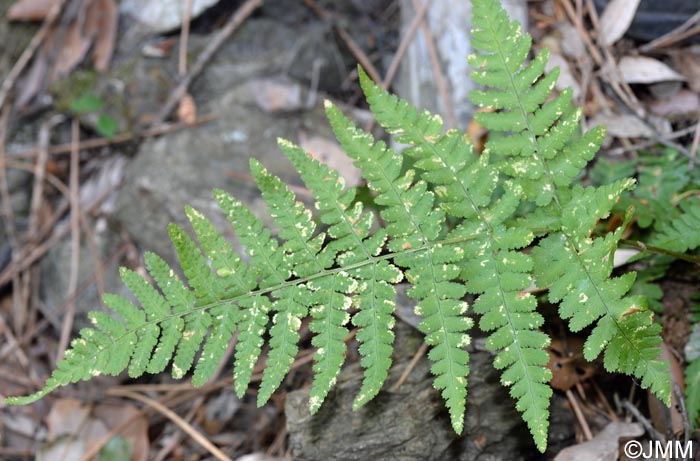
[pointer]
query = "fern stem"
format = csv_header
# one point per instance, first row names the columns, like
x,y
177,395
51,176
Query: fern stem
x,y
655,249
302,280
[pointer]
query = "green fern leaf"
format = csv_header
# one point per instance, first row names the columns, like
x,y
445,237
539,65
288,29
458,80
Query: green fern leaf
x,y
466,185
432,272
683,233
452,223
577,267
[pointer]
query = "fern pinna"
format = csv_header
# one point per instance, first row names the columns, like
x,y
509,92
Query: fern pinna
x,y
451,223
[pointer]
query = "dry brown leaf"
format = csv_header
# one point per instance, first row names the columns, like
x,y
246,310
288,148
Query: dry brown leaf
x,y
136,431
67,44
616,19
687,61
273,95
567,364
187,110
66,417
604,446
29,10
329,152
101,23
681,104
71,51
622,125
641,69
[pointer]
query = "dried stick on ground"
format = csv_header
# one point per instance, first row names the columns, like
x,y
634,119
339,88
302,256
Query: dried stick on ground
x,y
74,186
17,314
352,45
117,139
184,425
184,38
681,32
29,257
28,52
403,46
437,70
232,24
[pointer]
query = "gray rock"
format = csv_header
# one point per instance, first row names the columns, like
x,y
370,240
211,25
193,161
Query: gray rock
x,y
55,273
182,168
411,423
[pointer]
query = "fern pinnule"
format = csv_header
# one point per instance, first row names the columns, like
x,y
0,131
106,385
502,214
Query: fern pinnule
x,y
290,304
180,300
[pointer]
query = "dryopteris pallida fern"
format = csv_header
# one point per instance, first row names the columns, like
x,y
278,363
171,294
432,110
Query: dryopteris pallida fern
x,y
534,144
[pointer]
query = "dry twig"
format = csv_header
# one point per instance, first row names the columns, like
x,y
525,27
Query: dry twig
x,y
74,185
409,368
118,139
437,71
171,415
232,24
28,52
681,32
184,38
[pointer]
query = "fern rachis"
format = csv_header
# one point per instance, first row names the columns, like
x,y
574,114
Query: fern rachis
x,y
450,226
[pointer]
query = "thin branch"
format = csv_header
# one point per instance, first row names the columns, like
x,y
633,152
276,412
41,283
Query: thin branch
x,y
74,185
579,415
409,368
205,56
654,249
181,423
118,139
679,33
437,70
184,37
28,52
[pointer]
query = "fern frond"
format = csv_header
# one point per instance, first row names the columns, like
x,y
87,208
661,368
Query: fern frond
x,y
577,267
453,222
683,233
432,272
466,185
692,389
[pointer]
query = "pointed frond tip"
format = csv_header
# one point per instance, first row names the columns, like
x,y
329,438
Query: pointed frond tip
x,y
450,222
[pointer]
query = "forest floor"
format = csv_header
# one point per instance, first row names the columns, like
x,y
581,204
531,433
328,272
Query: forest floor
x,y
110,125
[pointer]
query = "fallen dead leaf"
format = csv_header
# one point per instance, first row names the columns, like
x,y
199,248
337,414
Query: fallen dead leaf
x,y
187,110
622,125
66,45
103,27
275,95
623,255
136,432
641,69
567,364
571,42
66,417
29,10
687,61
604,446
616,19
566,78
681,104
329,152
